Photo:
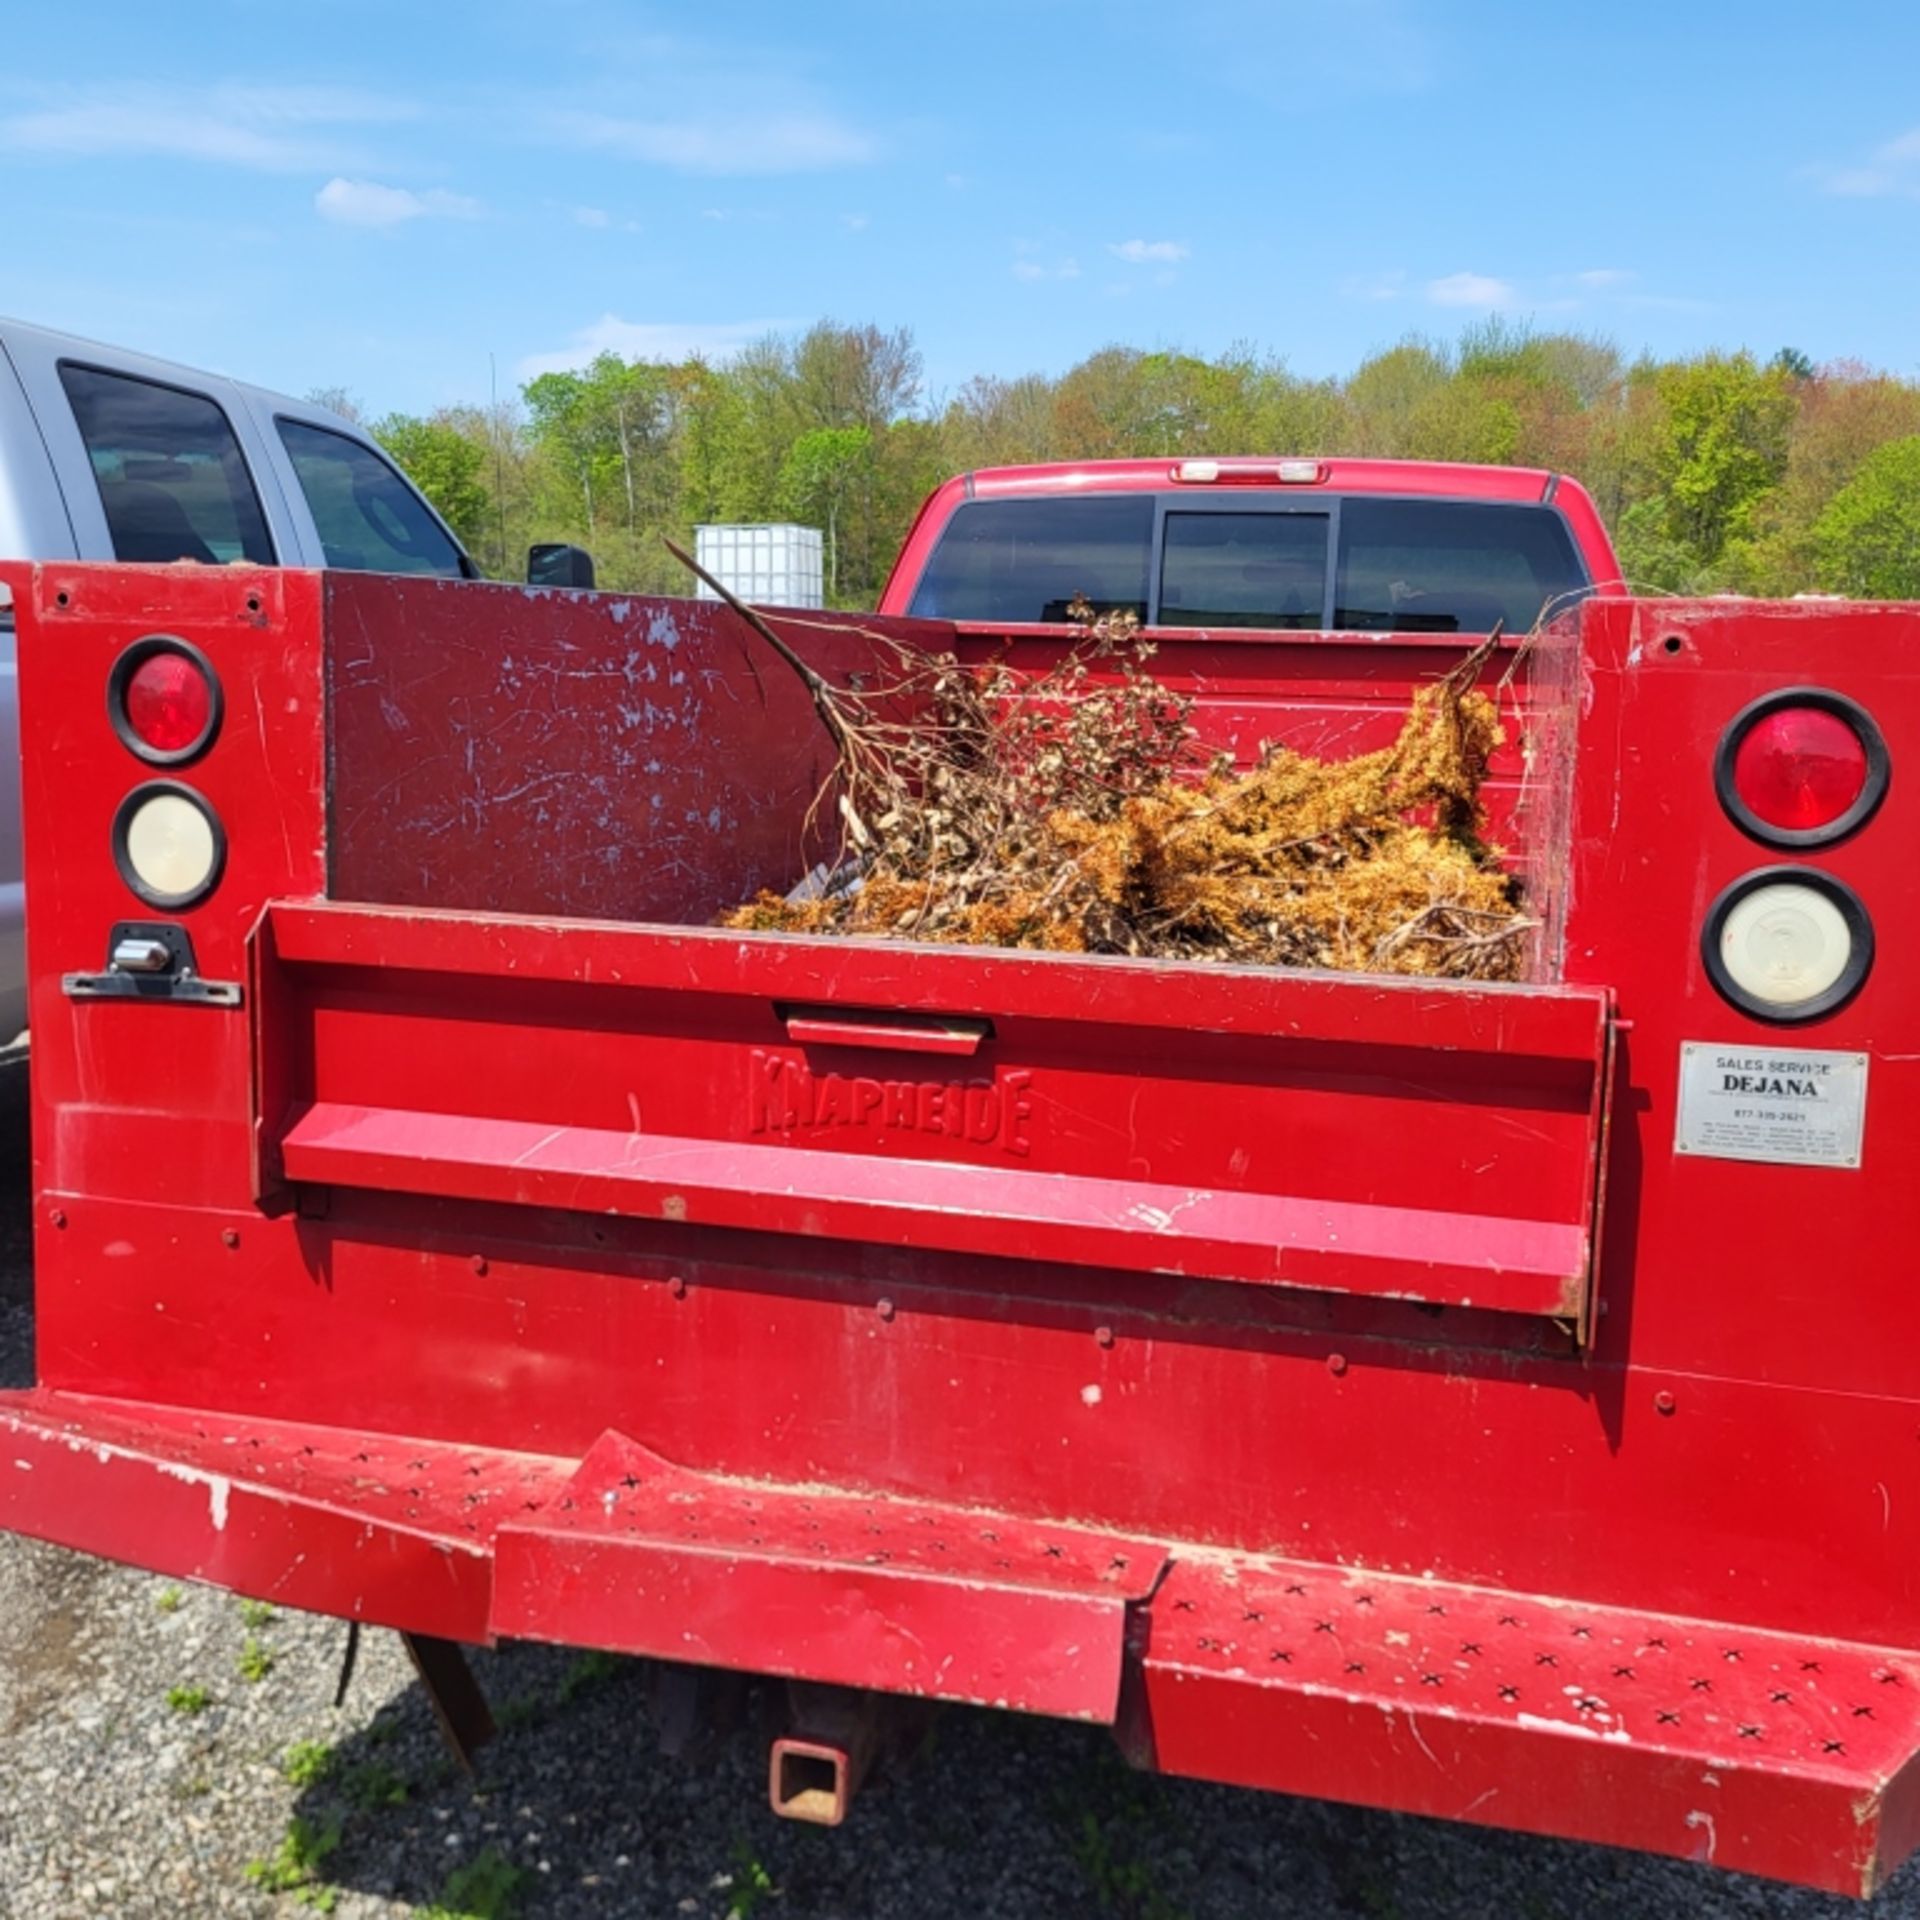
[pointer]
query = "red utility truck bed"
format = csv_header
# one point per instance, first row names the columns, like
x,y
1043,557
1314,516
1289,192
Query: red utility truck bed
x,y
1336,1384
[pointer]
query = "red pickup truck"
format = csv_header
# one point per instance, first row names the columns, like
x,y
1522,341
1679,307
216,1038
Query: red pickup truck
x,y
1494,1401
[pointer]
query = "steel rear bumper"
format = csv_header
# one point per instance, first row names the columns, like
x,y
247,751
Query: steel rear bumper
x,y
1772,1753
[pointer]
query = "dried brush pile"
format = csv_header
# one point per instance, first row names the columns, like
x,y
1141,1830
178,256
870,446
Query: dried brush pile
x,y
1076,813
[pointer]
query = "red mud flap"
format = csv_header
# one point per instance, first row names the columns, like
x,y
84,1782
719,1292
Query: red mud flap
x,y
1763,1752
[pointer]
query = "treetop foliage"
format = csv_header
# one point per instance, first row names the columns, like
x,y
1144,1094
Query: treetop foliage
x,y
1720,471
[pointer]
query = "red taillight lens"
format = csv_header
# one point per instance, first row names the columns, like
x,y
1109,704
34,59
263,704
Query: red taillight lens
x,y
168,702
164,700
1800,768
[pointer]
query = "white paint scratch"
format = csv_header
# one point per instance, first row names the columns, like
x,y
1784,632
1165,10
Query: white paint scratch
x,y
218,1487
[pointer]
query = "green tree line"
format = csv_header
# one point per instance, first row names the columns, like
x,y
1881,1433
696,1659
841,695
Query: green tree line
x,y
1721,471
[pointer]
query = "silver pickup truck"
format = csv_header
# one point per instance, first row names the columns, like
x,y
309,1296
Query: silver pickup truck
x,y
106,455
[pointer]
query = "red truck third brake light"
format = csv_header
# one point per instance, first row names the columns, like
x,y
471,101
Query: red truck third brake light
x,y
1801,767
1292,473
164,700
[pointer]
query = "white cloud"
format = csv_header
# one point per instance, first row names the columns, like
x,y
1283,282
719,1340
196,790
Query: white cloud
x,y
1599,277
1469,290
269,129
366,203
1375,286
1067,269
1892,170
592,217
856,222
1143,253
649,340
723,144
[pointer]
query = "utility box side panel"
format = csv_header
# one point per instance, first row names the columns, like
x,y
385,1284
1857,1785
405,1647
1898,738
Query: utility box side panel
x,y
132,1099
516,750
1750,1264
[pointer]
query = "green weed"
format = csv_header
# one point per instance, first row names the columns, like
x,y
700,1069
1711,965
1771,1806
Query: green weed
x,y
295,1866
590,1670
188,1699
751,1883
307,1762
373,1785
486,1888
256,1661
1102,1818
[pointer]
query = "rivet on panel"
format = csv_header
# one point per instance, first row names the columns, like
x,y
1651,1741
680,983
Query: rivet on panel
x,y
479,1263
677,1287
1103,1335
58,1217
1336,1363
885,1309
229,1237
1664,1402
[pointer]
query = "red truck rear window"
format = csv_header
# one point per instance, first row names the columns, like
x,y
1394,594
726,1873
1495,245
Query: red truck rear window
x,y
1025,560
1399,566
1450,566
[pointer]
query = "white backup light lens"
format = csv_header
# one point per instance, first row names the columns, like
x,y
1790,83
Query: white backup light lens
x,y
169,847
1785,944
1197,470
1299,472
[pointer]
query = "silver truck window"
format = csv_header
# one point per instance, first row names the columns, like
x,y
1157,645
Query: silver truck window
x,y
1027,559
1266,570
1451,566
370,520
172,479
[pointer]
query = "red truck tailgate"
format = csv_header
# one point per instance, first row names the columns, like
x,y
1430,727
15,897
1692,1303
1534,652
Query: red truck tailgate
x,y
1386,1138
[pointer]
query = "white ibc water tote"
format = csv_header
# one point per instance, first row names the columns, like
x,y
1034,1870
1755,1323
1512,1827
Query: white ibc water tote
x,y
769,566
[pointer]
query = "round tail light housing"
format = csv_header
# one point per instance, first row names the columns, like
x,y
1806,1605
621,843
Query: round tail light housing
x,y
168,845
163,698
1801,767
1787,943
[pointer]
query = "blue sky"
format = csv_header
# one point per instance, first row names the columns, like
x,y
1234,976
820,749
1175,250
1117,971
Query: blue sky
x,y
380,196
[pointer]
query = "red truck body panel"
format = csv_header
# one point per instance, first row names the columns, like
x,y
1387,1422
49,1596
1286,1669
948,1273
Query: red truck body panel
x,y
1335,1384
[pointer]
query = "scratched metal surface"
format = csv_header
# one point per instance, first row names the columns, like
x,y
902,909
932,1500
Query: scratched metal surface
x,y
582,755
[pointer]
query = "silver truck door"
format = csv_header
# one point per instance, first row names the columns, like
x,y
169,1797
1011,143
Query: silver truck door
x,y
42,360
34,524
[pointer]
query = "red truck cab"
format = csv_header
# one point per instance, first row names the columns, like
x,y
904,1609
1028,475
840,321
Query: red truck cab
x,y
1270,545
1495,1401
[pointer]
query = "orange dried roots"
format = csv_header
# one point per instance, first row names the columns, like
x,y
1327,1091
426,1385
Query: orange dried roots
x,y
1368,864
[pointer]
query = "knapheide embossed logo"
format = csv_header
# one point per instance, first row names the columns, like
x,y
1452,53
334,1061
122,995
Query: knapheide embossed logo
x,y
786,1098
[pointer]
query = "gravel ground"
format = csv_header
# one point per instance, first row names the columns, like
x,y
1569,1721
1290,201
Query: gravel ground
x,y
164,1750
